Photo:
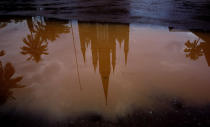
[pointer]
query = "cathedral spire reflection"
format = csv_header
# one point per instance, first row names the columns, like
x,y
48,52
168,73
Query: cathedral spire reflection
x,y
102,38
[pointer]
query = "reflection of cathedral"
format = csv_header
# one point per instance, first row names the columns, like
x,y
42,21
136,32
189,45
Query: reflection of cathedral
x,y
103,38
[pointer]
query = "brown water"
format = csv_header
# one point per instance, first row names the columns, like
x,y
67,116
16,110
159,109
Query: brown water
x,y
69,68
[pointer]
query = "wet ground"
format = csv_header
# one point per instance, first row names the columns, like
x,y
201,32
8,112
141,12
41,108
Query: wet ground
x,y
184,14
104,63
71,73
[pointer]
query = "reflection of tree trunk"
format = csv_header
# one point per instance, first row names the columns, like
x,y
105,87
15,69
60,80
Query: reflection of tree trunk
x,y
30,24
203,36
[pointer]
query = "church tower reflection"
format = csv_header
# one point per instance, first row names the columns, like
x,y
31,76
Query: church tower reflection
x,y
103,38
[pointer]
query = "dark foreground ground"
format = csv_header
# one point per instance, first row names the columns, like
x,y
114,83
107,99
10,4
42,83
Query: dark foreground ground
x,y
184,14
176,114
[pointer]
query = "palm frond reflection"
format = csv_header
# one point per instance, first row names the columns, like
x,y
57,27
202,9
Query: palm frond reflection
x,y
198,48
41,32
193,49
8,81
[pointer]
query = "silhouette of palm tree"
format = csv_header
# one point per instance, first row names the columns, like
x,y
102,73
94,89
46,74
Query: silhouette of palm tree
x,y
193,49
7,82
35,47
41,32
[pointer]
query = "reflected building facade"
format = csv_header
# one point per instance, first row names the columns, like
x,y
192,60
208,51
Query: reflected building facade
x,y
103,38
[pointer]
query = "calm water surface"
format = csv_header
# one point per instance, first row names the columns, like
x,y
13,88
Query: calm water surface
x,y
67,69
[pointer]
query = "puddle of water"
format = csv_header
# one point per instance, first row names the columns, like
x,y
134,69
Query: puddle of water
x,y
58,70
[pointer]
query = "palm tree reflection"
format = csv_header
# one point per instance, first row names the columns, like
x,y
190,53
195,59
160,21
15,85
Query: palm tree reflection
x,y
198,48
41,32
193,49
34,47
7,81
